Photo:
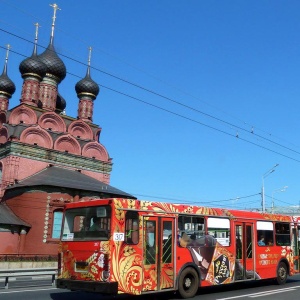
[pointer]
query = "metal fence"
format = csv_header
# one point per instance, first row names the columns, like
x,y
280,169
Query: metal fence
x,y
9,273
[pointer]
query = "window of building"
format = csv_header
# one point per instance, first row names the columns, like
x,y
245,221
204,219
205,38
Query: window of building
x,y
56,226
9,228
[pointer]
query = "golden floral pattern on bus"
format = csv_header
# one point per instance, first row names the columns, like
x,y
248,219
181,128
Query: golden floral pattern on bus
x,y
69,261
126,268
119,212
175,208
118,261
287,252
274,217
206,211
167,277
150,279
125,261
227,213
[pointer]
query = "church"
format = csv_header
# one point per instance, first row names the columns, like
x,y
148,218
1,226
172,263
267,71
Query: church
x,y
47,158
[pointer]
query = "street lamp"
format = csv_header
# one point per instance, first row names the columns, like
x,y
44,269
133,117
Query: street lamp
x,y
277,191
263,203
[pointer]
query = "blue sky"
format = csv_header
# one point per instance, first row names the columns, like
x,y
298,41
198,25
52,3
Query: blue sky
x,y
224,69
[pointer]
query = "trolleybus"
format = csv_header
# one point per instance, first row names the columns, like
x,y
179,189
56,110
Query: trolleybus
x,y
113,246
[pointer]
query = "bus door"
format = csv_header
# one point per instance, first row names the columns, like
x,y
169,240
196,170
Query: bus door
x,y
244,253
296,246
159,252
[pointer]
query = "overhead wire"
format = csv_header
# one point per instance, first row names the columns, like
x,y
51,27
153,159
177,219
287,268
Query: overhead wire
x,y
184,118
179,115
169,99
178,103
37,200
193,201
179,200
140,70
156,94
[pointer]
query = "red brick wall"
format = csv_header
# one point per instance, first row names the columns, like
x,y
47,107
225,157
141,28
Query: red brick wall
x,y
36,209
9,243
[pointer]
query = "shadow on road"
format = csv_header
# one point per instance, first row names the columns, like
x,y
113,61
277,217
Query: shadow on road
x,y
253,285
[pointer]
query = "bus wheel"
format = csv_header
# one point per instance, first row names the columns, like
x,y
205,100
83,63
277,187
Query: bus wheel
x,y
281,273
188,283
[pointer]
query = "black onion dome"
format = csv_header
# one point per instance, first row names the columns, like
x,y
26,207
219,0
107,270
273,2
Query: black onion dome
x,y
33,65
54,64
6,85
60,103
87,86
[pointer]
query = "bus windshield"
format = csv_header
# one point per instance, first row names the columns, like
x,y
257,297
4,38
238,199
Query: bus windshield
x,y
87,223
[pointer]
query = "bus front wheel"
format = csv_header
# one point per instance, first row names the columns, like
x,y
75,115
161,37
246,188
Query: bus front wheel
x,y
188,283
281,273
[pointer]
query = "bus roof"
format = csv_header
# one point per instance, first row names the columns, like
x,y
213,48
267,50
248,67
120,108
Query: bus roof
x,y
170,208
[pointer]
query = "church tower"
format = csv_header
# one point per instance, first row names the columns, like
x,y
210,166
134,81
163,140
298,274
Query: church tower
x,y
55,71
47,158
7,87
39,131
33,70
87,90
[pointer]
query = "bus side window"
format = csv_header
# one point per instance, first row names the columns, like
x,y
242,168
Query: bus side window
x,y
283,237
265,233
132,228
191,225
219,228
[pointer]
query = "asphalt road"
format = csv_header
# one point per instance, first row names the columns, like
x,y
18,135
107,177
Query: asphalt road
x,y
42,290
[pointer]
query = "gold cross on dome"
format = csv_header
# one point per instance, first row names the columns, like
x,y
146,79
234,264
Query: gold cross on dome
x,y
37,25
8,46
55,8
90,54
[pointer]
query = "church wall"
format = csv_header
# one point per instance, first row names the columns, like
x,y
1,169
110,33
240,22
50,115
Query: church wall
x,y
9,242
28,167
36,208
37,136
18,168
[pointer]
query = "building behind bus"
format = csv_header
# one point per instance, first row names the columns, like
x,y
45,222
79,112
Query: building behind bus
x,y
47,158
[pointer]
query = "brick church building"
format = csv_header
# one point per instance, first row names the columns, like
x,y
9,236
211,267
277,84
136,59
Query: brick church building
x,y
47,158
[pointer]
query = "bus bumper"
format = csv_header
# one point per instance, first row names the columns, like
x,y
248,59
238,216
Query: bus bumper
x,y
88,286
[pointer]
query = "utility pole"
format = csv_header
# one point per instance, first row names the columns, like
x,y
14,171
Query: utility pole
x,y
263,202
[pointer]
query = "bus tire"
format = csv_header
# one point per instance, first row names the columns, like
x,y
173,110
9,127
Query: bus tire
x,y
281,273
188,283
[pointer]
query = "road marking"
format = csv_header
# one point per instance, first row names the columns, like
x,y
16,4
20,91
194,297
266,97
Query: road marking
x,y
260,294
22,291
273,292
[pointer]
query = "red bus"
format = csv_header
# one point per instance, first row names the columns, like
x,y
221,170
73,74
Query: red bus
x,y
112,246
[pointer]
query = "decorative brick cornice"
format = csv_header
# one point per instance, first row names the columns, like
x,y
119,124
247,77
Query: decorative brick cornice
x,y
54,157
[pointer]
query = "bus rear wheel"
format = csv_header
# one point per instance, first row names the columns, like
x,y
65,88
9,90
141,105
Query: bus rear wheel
x,y
281,273
188,283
